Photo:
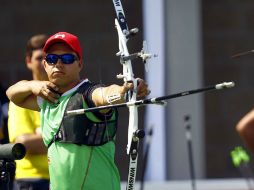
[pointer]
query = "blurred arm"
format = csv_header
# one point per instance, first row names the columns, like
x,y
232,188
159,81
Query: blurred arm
x,y
245,129
33,143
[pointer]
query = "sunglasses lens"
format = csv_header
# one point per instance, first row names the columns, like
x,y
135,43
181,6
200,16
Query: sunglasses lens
x,y
68,58
65,58
51,59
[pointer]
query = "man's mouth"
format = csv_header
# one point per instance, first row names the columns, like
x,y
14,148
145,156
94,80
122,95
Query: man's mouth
x,y
56,73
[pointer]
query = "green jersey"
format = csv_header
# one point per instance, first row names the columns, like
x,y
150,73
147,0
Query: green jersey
x,y
72,166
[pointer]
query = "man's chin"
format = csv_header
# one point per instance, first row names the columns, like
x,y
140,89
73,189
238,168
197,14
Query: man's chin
x,y
57,81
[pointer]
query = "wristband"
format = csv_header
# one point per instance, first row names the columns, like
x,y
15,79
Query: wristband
x,y
113,98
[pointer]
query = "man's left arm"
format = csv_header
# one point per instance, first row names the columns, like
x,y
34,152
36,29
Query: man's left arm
x,y
115,94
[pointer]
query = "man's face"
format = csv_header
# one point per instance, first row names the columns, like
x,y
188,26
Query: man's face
x,y
61,74
34,63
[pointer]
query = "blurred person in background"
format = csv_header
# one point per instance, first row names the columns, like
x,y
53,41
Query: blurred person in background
x,y
1,124
4,101
24,127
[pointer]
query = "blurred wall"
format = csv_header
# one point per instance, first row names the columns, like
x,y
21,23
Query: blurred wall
x,y
184,72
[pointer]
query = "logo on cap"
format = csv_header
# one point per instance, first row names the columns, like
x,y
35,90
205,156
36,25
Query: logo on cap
x,y
59,35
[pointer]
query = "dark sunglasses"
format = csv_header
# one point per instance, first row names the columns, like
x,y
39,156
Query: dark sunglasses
x,y
67,58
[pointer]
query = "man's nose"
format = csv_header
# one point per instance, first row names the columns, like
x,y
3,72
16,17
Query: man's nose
x,y
59,62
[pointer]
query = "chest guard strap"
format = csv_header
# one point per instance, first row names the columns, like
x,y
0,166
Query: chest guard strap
x,y
83,129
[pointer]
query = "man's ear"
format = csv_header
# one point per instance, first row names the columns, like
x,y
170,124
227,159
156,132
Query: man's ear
x,y
28,62
27,59
44,63
81,65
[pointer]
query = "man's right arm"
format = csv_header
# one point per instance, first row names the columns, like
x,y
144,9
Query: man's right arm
x,y
24,93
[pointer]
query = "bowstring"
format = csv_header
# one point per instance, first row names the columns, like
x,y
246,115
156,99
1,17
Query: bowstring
x,y
111,152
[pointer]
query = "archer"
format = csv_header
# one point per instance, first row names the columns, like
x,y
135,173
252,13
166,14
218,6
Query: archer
x,y
81,148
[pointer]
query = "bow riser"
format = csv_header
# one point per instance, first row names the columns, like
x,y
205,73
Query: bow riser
x,y
128,76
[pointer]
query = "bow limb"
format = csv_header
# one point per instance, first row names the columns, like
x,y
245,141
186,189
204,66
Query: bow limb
x,y
128,76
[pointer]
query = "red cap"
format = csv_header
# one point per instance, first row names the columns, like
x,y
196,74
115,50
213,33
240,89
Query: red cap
x,y
67,38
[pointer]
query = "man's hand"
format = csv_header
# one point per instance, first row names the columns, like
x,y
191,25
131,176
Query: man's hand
x,y
47,90
142,88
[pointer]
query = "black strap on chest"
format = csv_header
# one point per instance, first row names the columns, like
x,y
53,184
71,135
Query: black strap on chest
x,y
80,129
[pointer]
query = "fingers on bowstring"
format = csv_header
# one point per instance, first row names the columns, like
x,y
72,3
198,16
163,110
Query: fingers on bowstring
x,y
50,93
53,87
